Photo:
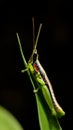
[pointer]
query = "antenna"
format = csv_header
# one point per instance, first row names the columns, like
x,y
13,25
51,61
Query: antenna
x,y
33,31
35,41
40,26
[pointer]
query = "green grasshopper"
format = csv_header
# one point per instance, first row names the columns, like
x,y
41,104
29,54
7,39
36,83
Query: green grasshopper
x,y
39,75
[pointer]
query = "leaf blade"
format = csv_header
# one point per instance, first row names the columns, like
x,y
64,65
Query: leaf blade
x,y
8,121
50,122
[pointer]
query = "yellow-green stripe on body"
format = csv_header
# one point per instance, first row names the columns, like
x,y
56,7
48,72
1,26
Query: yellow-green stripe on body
x,y
46,87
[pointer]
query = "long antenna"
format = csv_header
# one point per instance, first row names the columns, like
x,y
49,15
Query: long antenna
x,y
35,41
35,45
33,31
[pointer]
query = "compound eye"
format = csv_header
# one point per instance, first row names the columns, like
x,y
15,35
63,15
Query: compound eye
x,y
35,56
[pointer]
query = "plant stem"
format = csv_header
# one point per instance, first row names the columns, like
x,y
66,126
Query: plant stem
x,y
24,60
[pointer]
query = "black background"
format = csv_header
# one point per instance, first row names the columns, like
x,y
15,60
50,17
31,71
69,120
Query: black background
x,y
55,53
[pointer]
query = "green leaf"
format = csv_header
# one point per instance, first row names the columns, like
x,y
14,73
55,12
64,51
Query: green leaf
x,y
46,120
8,121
